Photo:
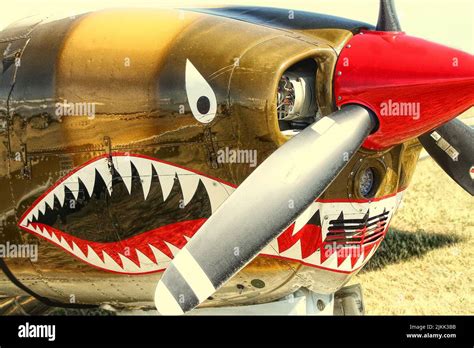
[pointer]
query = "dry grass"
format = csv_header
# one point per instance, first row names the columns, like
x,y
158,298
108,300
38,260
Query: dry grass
x,y
426,263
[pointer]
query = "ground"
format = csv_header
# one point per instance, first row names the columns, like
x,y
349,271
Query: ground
x,y
426,263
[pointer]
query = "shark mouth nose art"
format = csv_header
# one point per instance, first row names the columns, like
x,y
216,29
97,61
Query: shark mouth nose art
x,y
131,214
115,212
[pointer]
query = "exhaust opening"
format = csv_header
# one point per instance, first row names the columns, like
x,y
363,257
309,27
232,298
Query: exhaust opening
x,y
296,102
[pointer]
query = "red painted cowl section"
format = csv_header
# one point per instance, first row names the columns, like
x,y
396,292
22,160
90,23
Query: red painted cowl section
x,y
412,85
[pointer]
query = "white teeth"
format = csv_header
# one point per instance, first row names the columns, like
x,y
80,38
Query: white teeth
x,y
128,265
124,168
65,244
110,263
40,232
73,185
372,252
146,184
164,169
59,193
49,200
45,232
143,259
41,207
189,184
331,261
294,252
346,264
88,179
54,238
174,250
359,261
146,265
332,211
303,219
399,199
102,166
160,257
230,190
29,217
76,250
166,174
216,192
167,183
92,257
314,258
144,170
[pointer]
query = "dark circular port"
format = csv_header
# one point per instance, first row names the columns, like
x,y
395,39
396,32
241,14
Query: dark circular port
x,y
203,105
257,283
367,182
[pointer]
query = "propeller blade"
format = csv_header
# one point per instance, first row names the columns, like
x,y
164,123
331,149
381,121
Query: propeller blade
x,y
262,207
452,147
388,19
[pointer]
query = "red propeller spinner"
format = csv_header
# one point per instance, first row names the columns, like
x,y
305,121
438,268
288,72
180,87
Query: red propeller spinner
x,y
412,85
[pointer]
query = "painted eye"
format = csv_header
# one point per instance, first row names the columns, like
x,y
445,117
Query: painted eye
x,y
201,97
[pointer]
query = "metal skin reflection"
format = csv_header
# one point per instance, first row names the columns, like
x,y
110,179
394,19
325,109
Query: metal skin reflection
x,y
111,199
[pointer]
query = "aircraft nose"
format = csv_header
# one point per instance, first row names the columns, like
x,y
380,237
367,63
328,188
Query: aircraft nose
x,y
411,84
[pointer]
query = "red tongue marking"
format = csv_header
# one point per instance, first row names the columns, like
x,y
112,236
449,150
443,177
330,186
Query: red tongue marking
x,y
310,238
172,234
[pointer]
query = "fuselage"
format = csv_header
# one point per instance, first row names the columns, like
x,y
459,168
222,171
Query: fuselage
x,y
109,169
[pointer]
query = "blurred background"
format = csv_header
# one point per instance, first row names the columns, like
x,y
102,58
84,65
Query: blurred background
x,y
447,22
425,265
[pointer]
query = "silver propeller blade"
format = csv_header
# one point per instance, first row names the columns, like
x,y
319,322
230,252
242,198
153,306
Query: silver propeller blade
x,y
261,208
452,147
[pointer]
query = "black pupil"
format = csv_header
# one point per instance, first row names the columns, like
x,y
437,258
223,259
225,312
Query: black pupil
x,y
203,105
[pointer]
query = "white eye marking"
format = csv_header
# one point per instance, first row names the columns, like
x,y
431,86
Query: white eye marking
x,y
201,97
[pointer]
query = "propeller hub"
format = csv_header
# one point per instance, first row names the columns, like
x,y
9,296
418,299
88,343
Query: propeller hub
x,y
411,84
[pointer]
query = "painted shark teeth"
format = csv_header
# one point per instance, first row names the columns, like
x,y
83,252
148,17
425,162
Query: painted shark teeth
x,y
189,184
110,263
159,255
326,256
294,252
303,219
167,174
217,192
155,258
144,169
92,256
150,258
122,165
